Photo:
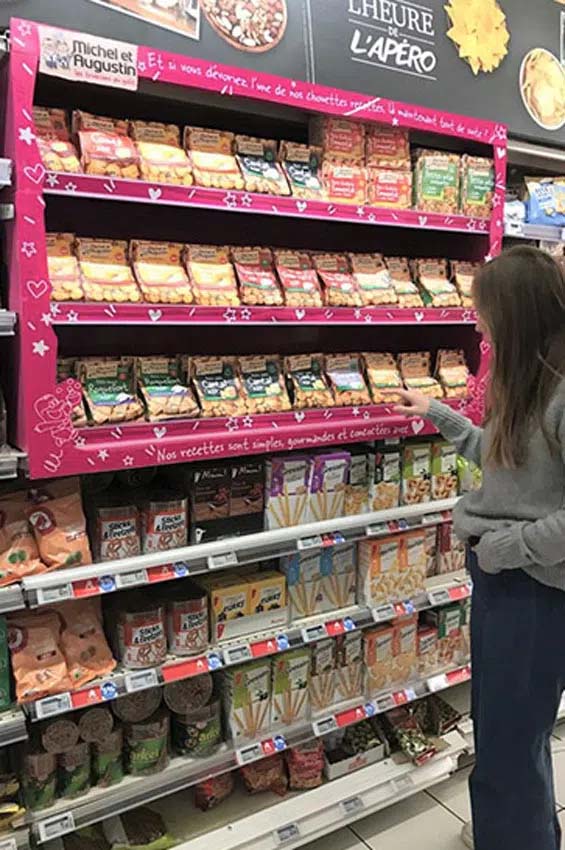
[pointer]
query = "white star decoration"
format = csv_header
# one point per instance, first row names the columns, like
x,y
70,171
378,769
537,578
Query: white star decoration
x,y
247,200
355,411
103,454
28,249
71,187
360,211
230,315
72,316
230,200
80,442
395,122
40,348
46,319
128,461
232,424
26,134
52,180
245,314
55,309
248,422
24,28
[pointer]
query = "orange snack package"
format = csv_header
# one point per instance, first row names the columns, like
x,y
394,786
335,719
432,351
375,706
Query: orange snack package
x,y
105,147
160,273
59,526
62,265
54,140
83,641
162,159
38,664
19,556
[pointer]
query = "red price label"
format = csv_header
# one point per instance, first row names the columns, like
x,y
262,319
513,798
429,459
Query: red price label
x,y
264,647
85,588
400,698
86,697
353,715
456,677
164,572
458,593
334,628
185,669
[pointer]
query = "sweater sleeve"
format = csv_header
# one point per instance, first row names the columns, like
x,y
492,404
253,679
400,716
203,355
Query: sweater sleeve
x,y
466,437
521,544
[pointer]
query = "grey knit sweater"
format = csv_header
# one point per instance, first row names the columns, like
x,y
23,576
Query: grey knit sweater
x,y
518,514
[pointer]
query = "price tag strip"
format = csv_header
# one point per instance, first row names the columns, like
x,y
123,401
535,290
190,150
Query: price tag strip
x,y
237,654
56,826
141,680
287,834
131,579
313,633
352,806
185,669
262,749
52,706
50,595
383,613
221,562
323,727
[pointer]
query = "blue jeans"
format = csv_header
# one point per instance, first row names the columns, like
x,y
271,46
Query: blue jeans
x,y
518,657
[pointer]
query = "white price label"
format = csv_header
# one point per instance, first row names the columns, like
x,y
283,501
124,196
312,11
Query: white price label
x,y
437,683
287,834
141,680
563,230
377,529
248,754
8,844
403,783
131,579
383,612
352,806
514,228
54,827
439,597
51,706
312,633
314,542
237,654
49,595
220,562
432,519
322,727
384,703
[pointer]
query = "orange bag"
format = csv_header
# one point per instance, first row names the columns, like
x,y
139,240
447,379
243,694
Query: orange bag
x,y
59,525
19,556
83,641
38,664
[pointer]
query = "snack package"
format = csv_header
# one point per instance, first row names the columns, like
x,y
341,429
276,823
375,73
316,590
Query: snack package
x,y
301,165
164,522
258,284
146,745
345,373
19,555
267,592
444,470
462,275
344,183
263,385
384,492
197,732
305,583
213,791
350,668
187,620
257,159
305,764
63,269
54,140
416,473
195,692
450,550
436,181
39,779
105,271
415,370
431,532
387,147
477,186
160,273
383,377
83,641
545,201
209,489
266,775
378,656
340,139
373,280
449,621
341,288
230,599
218,386
427,645
105,147
38,664
403,728
162,389
246,692
380,562
108,385
247,488
405,650
138,829
435,286
290,687
322,679
412,581
59,526
452,371
308,381
73,771
161,157
406,290
339,574
389,188
330,472
141,633
67,368
287,487
298,278
357,487
107,760
212,276
59,735
213,162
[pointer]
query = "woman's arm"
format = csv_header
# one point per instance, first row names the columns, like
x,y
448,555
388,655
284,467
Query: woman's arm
x,y
466,437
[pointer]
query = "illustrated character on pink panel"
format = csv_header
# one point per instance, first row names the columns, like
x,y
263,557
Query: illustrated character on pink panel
x,y
54,413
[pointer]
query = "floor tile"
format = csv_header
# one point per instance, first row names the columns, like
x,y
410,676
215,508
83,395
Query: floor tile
x,y
344,839
454,794
418,823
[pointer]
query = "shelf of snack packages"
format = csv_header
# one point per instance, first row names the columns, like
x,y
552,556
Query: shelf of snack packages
x,y
534,211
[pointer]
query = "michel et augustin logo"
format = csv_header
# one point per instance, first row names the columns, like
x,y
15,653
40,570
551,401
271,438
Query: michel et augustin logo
x,y
75,56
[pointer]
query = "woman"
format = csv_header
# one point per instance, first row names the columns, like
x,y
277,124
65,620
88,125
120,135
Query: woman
x,y
515,530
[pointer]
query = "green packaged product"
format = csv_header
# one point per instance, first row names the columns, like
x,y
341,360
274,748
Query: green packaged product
x,y
145,748
198,732
39,779
74,771
436,184
107,760
5,700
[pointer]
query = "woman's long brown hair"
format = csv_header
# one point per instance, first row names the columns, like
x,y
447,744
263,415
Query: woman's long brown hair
x,y
520,298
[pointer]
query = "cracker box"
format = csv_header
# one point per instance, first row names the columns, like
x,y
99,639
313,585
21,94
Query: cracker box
x,y
290,687
327,487
323,676
341,140
389,188
416,473
209,501
431,545
405,649
477,186
444,470
427,640
230,599
247,488
339,573
350,668
246,697
287,491
449,621
412,582
305,584
267,592
436,181
385,475
379,571
357,488
450,550
344,183
379,658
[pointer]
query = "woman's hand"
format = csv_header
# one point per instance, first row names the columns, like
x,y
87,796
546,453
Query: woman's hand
x,y
413,403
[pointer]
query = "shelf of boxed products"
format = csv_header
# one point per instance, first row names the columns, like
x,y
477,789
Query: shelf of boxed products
x,y
518,229
92,313
232,200
68,815
156,567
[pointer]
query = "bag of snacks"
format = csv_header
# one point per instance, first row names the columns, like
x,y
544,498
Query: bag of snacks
x,y
160,272
344,183
389,188
452,371
462,275
218,386
257,160
477,186
436,181
469,475
383,377
415,368
19,555
213,162
305,765
212,276
161,157
83,641
302,165
138,829
264,388
416,473
59,526
341,288
387,147
373,280
54,140
258,284
105,272
299,280
545,201
444,470
266,775
105,147
308,380
162,389
38,664
401,277
407,735
63,268
340,139
435,286
346,379
213,791
109,385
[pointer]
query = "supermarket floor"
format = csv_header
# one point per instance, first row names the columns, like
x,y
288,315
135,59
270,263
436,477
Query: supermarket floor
x,y
431,820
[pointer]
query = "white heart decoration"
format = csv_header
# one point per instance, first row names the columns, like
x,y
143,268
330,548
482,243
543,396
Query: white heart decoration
x,y
301,206
35,173
418,316
501,153
160,432
417,425
155,194
422,220
37,288
299,415
300,314
155,315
